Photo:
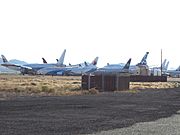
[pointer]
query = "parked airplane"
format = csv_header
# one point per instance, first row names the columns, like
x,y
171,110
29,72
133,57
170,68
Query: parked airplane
x,y
69,70
174,73
156,71
115,69
59,62
32,68
164,65
45,62
133,69
143,61
87,68
178,69
13,66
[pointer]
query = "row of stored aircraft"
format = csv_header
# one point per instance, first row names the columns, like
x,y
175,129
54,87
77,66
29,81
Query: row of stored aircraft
x,y
172,73
31,68
60,68
53,68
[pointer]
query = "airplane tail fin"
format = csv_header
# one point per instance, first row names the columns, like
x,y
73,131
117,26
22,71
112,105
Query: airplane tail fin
x,y
94,62
178,69
4,59
126,67
44,61
143,61
61,59
166,66
85,63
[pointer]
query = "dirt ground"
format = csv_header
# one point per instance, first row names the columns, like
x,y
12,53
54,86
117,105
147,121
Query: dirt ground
x,y
56,105
18,85
85,114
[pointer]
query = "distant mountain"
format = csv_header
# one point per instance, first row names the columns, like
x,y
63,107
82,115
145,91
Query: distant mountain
x,y
14,61
19,62
1,61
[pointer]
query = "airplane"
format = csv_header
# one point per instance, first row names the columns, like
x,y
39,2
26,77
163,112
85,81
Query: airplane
x,y
45,62
32,68
174,73
157,70
133,69
178,69
140,68
94,62
69,70
59,63
86,69
164,65
15,67
61,59
115,69
143,61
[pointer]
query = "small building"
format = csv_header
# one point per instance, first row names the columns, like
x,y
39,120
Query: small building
x,y
155,72
144,70
106,81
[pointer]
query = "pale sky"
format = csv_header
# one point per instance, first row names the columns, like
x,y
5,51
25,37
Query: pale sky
x,y
114,30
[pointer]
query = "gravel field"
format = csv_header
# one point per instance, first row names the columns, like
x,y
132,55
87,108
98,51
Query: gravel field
x,y
164,126
144,112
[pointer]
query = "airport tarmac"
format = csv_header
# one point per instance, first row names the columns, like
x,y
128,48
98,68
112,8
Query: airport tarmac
x,y
146,112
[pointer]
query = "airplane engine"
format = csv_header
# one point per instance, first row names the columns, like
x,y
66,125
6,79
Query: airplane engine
x,y
27,71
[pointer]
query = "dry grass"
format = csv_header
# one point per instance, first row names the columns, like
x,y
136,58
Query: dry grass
x,y
91,91
61,85
55,85
153,85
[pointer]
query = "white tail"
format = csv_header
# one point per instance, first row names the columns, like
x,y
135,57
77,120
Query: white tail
x,y
61,59
166,66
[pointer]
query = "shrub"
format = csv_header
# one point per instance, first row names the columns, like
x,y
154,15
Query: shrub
x,y
93,91
34,84
44,88
47,89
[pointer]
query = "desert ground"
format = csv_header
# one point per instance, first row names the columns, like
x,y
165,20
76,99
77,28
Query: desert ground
x,y
19,85
35,105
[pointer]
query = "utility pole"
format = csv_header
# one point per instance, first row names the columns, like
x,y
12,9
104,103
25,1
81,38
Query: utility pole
x,y
161,63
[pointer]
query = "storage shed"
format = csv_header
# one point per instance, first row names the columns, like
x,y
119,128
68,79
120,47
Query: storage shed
x,y
106,81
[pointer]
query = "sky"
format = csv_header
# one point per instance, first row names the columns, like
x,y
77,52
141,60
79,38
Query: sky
x,y
114,30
